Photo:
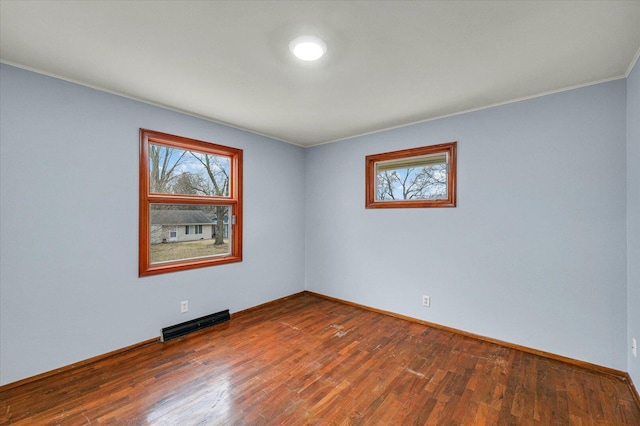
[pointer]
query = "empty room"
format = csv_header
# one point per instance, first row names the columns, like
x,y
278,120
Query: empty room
x,y
319,212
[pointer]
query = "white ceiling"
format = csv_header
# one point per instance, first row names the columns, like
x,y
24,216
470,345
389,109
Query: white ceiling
x,y
388,63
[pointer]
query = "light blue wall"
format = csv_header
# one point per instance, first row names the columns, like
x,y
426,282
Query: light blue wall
x,y
633,219
69,286
535,252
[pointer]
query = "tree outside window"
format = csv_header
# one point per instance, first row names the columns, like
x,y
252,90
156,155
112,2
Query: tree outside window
x,y
416,177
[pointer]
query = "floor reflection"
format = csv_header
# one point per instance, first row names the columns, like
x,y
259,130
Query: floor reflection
x,y
210,402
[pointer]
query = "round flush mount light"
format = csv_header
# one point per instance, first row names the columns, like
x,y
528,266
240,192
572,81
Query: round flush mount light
x,y
308,48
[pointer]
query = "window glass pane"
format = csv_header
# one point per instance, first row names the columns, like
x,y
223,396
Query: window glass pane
x,y
414,178
178,171
170,241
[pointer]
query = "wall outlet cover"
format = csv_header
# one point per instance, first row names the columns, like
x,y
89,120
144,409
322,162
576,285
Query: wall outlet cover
x,y
426,301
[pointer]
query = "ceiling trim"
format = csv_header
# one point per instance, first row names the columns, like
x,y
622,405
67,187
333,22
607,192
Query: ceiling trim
x,y
212,120
552,92
633,63
144,101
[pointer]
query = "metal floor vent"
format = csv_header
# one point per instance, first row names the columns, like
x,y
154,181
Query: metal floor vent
x,y
179,330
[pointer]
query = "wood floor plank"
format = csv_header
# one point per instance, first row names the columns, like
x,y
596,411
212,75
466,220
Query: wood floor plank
x,y
311,361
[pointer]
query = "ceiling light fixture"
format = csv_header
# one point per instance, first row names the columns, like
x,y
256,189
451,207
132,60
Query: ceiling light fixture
x,y
308,48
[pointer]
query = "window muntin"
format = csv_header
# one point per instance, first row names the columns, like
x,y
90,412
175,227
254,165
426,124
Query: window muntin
x,y
417,177
190,203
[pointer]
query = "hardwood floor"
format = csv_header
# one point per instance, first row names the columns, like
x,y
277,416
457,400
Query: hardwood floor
x,y
308,360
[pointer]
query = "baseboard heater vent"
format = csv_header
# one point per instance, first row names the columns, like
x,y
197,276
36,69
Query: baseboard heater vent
x,y
179,330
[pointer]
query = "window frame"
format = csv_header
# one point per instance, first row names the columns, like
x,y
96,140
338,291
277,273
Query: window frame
x,y
371,186
147,198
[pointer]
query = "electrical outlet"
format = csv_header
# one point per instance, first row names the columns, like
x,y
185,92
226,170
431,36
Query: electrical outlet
x,y
634,347
184,306
426,301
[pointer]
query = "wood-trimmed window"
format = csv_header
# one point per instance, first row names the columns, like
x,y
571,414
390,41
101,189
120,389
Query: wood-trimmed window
x,y
416,177
188,185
